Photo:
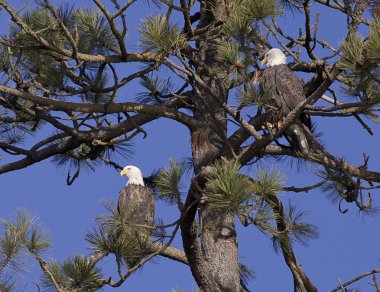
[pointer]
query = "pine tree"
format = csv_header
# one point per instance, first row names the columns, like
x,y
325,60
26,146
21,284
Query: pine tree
x,y
197,63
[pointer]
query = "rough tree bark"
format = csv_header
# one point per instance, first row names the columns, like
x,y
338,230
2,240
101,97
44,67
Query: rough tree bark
x,y
216,266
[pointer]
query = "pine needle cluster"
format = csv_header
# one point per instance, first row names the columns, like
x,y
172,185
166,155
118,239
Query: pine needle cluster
x,y
7,284
115,234
169,182
88,28
226,188
88,156
360,59
373,43
21,240
352,49
242,46
251,95
296,228
160,37
94,33
341,187
74,274
229,191
299,230
268,182
156,89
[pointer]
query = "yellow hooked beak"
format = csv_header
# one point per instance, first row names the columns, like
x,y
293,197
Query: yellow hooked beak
x,y
122,173
264,61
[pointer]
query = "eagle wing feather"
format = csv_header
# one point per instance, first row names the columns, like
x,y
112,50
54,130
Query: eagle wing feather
x,y
289,87
284,91
139,201
138,204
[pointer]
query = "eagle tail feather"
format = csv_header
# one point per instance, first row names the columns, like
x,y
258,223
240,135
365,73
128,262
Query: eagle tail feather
x,y
297,138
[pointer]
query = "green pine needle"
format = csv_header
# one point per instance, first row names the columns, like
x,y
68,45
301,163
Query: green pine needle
x,y
299,230
337,185
98,238
119,219
7,284
4,60
78,270
38,240
12,134
229,52
159,233
226,188
155,89
95,34
38,20
264,215
238,25
21,239
259,9
352,49
268,182
74,273
99,82
169,181
11,250
373,43
44,68
58,275
246,274
160,37
114,234
251,95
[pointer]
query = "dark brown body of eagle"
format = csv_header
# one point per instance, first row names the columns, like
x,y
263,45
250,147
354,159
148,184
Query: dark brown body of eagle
x,y
138,203
284,91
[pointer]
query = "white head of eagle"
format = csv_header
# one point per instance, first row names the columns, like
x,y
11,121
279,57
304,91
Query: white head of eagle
x,y
133,174
274,57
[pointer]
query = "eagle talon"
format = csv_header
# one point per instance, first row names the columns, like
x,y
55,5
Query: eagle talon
x,y
267,126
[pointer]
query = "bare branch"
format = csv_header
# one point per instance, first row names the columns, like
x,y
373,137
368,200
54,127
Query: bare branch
x,y
372,272
304,189
114,29
53,104
355,171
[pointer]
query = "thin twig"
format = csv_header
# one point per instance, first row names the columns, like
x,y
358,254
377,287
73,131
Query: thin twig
x,y
304,189
341,286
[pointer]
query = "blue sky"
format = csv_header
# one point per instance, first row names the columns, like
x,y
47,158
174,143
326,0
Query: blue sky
x,y
348,245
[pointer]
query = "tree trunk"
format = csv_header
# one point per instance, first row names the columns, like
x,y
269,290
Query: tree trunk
x,y
215,265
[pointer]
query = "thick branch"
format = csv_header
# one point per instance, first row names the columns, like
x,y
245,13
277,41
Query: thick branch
x,y
355,171
58,105
74,142
169,252
67,54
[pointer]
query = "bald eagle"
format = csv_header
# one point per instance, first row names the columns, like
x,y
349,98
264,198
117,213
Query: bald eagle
x,y
284,91
137,201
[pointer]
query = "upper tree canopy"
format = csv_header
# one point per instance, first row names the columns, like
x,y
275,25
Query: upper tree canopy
x,y
80,82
